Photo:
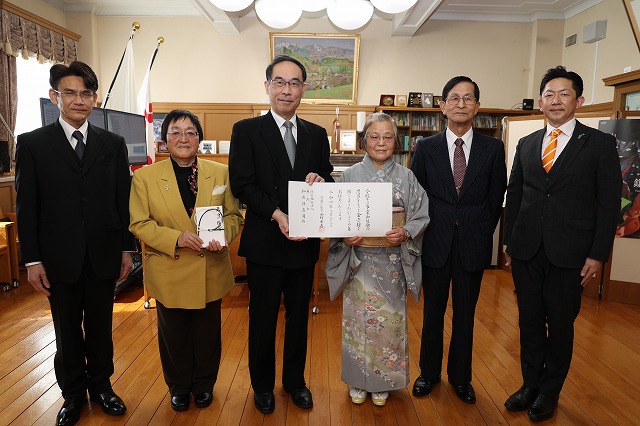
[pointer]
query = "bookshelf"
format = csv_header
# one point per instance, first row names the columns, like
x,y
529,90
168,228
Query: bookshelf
x,y
418,123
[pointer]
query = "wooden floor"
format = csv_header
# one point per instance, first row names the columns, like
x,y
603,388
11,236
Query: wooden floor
x,y
603,385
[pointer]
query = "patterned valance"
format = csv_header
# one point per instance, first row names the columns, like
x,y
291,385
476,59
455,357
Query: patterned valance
x,y
22,36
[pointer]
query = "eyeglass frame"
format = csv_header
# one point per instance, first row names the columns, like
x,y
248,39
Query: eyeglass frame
x,y
176,134
397,148
276,81
466,100
85,95
386,138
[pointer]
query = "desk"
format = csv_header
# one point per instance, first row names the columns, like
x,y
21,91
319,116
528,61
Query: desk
x,y
7,193
8,231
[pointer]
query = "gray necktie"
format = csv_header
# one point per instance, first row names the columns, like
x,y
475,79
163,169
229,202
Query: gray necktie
x,y
290,142
459,164
80,144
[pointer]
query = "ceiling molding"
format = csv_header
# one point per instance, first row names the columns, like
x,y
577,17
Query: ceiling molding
x,y
406,25
402,25
223,22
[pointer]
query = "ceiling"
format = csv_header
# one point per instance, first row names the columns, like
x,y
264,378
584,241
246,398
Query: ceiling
x,y
405,24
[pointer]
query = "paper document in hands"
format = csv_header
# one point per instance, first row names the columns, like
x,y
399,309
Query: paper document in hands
x,y
210,224
342,209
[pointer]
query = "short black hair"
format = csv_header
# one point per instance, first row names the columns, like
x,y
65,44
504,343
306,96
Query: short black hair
x,y
459,79
75,69
179,114
561,72
285,58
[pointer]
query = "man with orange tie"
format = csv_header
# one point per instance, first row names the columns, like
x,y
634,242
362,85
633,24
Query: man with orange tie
x,y
563,199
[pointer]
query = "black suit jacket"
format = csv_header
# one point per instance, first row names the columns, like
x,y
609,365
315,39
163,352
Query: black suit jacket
x,y
573,210
66,209
259,172
476,210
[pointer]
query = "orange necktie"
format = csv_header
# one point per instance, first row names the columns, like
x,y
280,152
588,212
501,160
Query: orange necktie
x,y
550,151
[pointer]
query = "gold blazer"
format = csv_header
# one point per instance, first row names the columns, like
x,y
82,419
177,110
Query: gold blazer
x,y
181,277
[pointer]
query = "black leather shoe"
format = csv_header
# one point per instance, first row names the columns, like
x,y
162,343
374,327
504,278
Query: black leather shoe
x,y
302,397
423,387
110,402
522,399
264,402
69,414
203,399
180,402
544,407
465,393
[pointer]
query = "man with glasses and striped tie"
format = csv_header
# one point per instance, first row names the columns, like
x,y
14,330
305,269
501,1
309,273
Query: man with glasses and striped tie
x,y
563,200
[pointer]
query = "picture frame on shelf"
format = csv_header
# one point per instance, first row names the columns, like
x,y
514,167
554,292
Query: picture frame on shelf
x,y
331,61
158,118
207,147
427,100
387,100
348,140
401,100
436,101
415,99
223,147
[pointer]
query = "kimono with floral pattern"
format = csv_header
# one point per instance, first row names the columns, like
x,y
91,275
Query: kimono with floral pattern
x,y
374,283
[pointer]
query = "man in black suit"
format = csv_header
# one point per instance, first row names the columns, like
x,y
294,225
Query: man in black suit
x,y
260,167
72,182
464,174
562,205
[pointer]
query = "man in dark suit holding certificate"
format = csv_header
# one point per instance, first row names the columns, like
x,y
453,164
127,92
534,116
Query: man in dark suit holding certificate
x,y
266,153
464,175
562,206
73,183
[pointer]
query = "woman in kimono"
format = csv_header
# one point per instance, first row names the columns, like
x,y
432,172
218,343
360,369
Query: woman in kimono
x,y
374,280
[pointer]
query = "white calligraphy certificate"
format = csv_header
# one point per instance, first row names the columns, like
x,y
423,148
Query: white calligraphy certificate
x,y
339,209
210,224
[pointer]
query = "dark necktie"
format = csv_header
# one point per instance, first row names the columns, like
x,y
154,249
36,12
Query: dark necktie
x,y
290,142
80,144
459,164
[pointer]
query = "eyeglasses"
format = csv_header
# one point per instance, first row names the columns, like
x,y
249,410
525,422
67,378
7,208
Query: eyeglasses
x,y
189,134
385,138
85,95
455,99
293,84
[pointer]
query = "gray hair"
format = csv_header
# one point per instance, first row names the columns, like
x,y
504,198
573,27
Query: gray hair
x,y
379,117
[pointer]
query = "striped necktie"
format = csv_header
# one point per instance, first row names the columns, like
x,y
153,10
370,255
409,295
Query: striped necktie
x,y
550,151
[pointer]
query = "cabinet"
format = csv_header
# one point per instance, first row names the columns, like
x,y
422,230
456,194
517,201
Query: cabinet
x,y
218,119
7,193
417,123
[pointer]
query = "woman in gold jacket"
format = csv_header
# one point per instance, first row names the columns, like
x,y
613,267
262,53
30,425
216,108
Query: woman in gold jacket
x,y
187,276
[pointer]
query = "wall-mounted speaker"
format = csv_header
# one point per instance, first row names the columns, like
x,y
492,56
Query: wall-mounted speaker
x,y
527,104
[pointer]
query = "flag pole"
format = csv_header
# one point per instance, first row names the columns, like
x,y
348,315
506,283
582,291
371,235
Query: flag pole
x,y
160,41
134,27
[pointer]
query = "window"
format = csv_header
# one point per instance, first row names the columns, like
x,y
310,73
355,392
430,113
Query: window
x,y
33,84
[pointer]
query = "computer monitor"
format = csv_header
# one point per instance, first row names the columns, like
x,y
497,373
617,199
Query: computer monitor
x,y
49,113
133,128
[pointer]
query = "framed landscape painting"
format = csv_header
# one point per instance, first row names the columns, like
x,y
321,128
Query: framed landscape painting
x,y
331,61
